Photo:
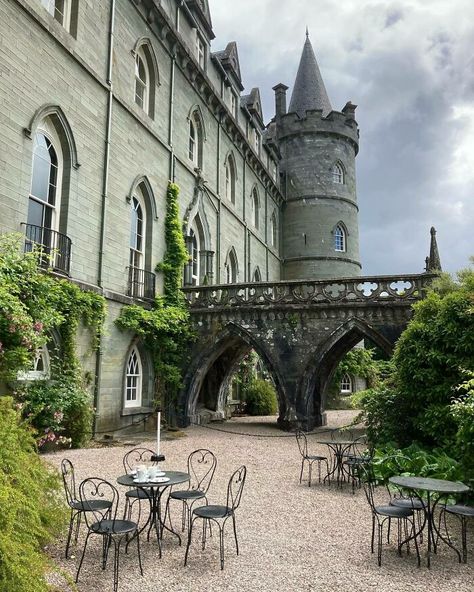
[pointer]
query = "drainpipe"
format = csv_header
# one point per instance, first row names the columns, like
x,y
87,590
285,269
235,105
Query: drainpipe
x,y
105,189
171,115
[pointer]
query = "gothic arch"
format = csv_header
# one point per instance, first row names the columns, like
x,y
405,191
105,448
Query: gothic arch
x,y
148,192
61,124
230,156
320,368
231,345
154,62
147,391
196,111
231,262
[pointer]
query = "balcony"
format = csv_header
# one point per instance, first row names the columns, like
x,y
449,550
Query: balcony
x,y
53,248
141,283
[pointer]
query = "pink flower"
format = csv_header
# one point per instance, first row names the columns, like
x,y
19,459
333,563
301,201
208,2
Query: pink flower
x,y
38,326
12,329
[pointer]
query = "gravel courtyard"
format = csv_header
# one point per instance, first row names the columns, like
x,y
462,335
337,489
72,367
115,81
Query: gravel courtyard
x,y
291,537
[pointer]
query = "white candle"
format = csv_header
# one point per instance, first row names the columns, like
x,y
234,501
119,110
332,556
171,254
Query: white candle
x,y
158,428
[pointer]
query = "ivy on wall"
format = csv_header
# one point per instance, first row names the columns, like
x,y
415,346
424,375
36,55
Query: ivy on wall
x,y
165,329
34,305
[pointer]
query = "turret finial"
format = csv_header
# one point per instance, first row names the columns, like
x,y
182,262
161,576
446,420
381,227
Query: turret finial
x,y
307,32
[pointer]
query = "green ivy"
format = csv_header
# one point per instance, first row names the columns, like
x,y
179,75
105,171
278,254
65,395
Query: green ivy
x,y
165,329
33,304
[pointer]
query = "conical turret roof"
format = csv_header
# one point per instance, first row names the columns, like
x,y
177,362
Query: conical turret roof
x,y
309,91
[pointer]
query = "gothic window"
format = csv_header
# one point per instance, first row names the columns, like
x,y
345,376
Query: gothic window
x,y
195,139
273,230
338,174
233,102
346,384
194,256
142,81
41,365
137,245
255,208
339,238
133,380
257,276
258,141
230,179
231,268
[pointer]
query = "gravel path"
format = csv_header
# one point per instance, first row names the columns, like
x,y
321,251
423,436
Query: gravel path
x,y
291,537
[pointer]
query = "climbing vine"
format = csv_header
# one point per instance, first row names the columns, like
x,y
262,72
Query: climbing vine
x,y
165,329
33,306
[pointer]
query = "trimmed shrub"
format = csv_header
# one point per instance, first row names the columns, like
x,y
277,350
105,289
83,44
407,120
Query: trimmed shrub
x,y
261,398
33,509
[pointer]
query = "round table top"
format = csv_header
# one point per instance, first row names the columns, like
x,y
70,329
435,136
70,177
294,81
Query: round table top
x,y
428,484
337,442
174,477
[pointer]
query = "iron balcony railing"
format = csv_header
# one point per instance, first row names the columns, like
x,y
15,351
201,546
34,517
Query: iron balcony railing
x,y
53,248
141,283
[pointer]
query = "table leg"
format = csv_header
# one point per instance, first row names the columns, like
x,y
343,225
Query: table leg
x,y
437,530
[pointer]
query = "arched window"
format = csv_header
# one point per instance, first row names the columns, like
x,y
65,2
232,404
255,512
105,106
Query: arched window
x,y
346,384
257,276
337,173
41,366
194,256
133,380
230,179
339,238
255,208
137,245
45,199
195,139
142,80
231,268
273,230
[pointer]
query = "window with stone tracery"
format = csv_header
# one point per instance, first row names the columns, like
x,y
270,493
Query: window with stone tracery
x,y
133,380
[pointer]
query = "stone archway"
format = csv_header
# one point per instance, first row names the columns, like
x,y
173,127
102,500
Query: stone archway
x,y
208,378
321,367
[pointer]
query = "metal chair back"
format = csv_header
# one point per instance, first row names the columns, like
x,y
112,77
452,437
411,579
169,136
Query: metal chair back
x,y
95,489
236,487
202,465
135,457
69,481
302,443
342,434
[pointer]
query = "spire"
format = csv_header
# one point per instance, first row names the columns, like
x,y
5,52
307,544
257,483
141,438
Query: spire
x,y
433,262
309,91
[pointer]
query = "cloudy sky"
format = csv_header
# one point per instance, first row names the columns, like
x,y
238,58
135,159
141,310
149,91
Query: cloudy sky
x,y
409,66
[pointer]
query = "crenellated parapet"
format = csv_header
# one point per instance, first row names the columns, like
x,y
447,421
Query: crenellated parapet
x,y
338,123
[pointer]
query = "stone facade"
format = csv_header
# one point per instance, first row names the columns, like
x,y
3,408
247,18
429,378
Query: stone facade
x,y
116,88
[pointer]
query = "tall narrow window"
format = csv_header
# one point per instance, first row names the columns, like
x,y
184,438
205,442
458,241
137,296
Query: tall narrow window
x,y
257,276
231,268
200,50
273,231
337,173
142,80
230,179
255,208
339,238
133,380
195,140
194,258
137,245
258,141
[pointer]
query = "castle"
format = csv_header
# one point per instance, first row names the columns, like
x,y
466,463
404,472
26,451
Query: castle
x,y
103,104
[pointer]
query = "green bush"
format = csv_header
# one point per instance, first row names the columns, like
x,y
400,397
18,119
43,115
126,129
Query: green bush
x,y
261,398
32,506
60,410
462,411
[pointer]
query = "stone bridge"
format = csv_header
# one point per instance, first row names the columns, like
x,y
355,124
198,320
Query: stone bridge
x,y
300,329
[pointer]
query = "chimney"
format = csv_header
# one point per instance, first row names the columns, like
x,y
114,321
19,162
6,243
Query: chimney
x,y
280,99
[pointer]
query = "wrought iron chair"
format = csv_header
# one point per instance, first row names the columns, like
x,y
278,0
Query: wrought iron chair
x,y
131,459
462,512
384,514
104,523
359,454
220,514
202,465
75,504
309,458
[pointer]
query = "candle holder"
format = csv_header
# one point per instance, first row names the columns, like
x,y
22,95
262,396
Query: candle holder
x,y
157,457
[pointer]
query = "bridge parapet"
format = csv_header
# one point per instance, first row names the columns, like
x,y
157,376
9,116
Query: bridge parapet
x,y
404,289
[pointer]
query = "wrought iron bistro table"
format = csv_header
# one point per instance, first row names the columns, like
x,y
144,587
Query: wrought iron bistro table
x,y
430,486
339,448
154,491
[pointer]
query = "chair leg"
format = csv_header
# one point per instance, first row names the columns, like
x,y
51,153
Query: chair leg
x,y
235,534
379,546
116,564
221,544
190,533
82,557
301,472
309,473
72,519
464,538
138,551
373,534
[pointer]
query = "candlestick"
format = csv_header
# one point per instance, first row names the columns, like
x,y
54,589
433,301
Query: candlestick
x,y
158,429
